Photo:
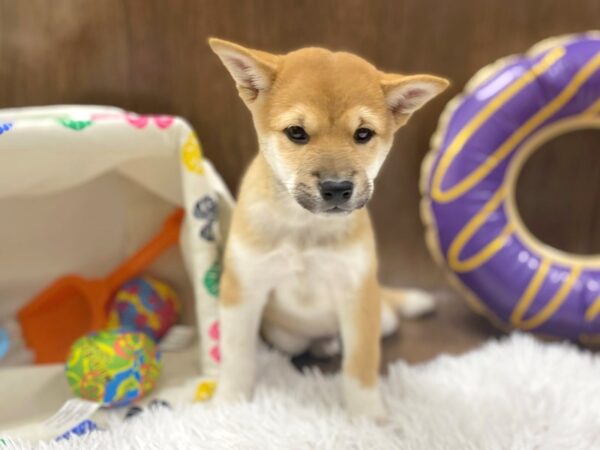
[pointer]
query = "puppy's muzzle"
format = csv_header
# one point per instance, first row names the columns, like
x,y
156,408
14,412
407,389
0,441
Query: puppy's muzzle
x,y
336,193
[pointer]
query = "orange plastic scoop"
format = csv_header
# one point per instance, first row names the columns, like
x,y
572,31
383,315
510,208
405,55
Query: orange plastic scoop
x,y
73,306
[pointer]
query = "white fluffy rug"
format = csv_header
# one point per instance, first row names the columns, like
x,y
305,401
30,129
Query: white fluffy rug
x,y
513,394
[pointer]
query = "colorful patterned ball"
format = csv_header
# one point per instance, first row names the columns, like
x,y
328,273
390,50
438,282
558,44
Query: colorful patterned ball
x,y
145,304
113,367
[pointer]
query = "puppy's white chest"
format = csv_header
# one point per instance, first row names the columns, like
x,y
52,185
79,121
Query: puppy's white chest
x,y
307,272
309,284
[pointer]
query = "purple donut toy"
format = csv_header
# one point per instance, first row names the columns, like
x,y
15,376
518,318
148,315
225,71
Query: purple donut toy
x,y
508,111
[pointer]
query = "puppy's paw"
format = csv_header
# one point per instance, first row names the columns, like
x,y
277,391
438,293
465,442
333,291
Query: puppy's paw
x,y
368,407
417,303
375,411
364,401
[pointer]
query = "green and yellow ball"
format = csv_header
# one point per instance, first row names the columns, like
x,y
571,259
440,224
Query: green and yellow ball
x,y
114,367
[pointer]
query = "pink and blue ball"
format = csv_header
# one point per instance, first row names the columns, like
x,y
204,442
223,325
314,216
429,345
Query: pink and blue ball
x,y
145,304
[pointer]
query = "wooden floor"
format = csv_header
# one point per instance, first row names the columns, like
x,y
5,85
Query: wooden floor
x,y
452,329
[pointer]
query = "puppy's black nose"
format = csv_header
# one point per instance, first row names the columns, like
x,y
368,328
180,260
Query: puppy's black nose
x,y
336,192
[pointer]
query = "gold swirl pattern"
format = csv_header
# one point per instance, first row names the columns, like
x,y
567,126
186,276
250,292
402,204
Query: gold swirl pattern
x,y
472,227
476,123
529,295
592,110
594,309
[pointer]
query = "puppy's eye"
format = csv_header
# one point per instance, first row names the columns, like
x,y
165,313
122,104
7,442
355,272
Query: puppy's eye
x,y
363,135
296,134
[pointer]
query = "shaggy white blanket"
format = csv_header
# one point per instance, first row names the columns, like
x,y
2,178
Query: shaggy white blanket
x,y
516,393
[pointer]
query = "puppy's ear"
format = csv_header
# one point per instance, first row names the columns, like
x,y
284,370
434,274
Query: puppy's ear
x,y
406,94
253,71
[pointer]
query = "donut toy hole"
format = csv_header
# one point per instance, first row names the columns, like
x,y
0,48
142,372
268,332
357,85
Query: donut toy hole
x,y
558,192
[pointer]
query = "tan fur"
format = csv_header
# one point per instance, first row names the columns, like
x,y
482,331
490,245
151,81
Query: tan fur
x,y
229,287
363,362
289,250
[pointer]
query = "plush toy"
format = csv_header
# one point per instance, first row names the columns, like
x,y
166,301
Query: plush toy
x,y
113,367
145,304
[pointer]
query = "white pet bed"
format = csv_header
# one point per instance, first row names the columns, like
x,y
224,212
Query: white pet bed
x,y
82,187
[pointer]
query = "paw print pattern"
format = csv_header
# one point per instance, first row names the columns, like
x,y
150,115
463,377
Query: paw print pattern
x,y
214,333
207,232
5,127
211,279
207,209
141,121
191,154
75,125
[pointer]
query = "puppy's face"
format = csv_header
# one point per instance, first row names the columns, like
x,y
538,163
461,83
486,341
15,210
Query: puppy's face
x,y
325,121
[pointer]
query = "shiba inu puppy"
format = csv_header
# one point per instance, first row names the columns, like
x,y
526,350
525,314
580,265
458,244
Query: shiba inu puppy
x,y
300,263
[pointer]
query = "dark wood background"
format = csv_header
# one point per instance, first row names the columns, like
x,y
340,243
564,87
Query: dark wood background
x,y
151,56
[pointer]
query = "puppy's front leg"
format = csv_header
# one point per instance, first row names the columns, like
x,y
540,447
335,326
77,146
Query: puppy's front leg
x,y
361,331
240,314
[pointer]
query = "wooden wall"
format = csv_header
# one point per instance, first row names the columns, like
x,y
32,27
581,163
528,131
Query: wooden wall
x,y
151,56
